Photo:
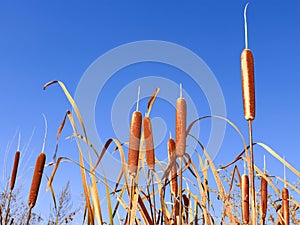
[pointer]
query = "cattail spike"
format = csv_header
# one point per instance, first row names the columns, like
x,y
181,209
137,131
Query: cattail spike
x,y
134,142
264,198
285,206
36,179
45,135
180,127
265,165
284,173
245,199
19,142
149,145
173,177
246,26
247,69
138,98
14,170
180,90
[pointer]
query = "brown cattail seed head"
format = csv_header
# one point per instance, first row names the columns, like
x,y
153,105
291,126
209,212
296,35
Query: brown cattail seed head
x,y
285,206
264,197
36,179
173,177
149,146
180,127
247,69
245,198
134,142
14,170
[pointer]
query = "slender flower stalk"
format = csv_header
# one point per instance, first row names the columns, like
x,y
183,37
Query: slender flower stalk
x,y
248,88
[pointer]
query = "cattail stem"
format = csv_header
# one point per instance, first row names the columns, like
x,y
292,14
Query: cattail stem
x,y
133,190
29,215
149,182
8,207
153,192
180,191
152,207
173,176
251,173
132,187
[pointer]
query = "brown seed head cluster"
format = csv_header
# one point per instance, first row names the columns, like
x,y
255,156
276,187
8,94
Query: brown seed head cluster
x,y
134,142
247,69
14,170
180,127
36,180
149,145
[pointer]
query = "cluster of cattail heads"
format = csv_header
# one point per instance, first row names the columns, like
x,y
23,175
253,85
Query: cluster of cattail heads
x,y
135,136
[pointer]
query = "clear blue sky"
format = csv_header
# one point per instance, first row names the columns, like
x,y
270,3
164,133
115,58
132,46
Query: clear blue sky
x,y
43,41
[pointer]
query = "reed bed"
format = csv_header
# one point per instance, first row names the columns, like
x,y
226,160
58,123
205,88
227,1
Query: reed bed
x,y
191,190
187,207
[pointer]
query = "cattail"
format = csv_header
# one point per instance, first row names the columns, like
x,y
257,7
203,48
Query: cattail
x,y
245,199
14,170
134,142
171,152
248,89
180,125
264,198
285,206
247,68
149,146
36,179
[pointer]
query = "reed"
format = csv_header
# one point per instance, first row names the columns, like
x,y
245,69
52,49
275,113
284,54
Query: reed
x,y
248,93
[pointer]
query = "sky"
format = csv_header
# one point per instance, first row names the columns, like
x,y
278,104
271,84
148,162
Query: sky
x,y
63,40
